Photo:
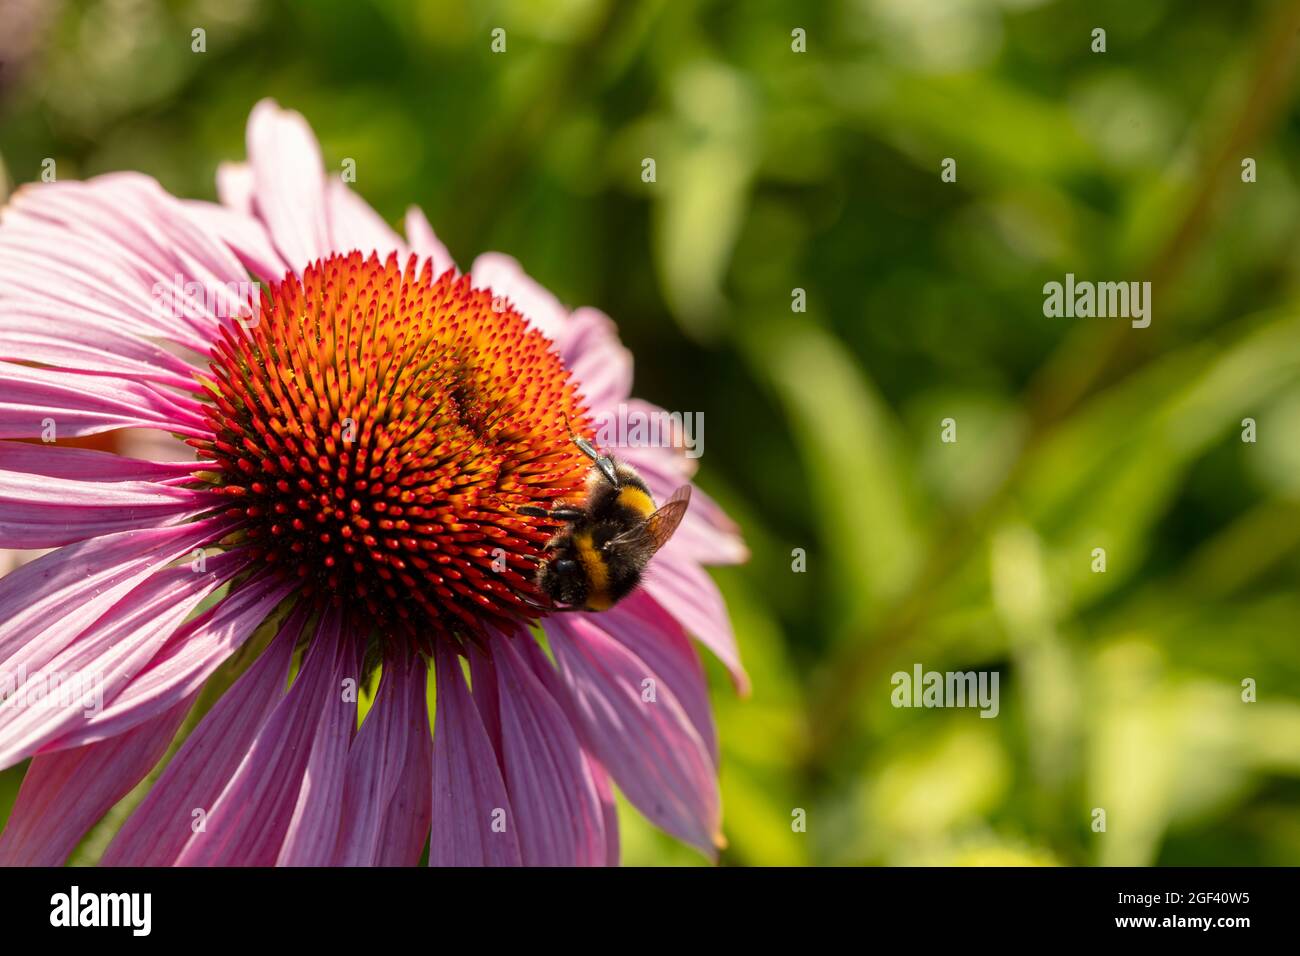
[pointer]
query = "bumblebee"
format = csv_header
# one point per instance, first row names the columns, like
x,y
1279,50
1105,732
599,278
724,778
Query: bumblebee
x,y
607,539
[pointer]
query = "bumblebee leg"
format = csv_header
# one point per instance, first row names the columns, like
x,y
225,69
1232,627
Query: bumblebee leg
x,y
564,514
554,609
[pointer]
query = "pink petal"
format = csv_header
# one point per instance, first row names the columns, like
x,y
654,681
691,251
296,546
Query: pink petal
x,y
253,816
505,277
186,660
106,656
649,632
55,461
245,235
387,793
483,686
410,812
589,345
289,183
424,243
687,592
65,793
235,185
63,312
183,245
469,794
559,690
317,822
650,747
354,225
79,404
711,536
157,832
552,789
139,234
37,511
45,604
69,340
43,264
669,461
609,808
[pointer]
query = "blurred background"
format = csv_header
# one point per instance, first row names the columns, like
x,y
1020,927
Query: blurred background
x,y
819,171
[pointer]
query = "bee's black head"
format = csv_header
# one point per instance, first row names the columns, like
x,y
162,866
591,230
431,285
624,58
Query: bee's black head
x,y
562,579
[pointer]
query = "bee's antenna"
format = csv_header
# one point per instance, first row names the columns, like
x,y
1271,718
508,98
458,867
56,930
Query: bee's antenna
x,y
603,462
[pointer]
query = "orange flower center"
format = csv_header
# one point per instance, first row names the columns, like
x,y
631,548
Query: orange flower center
x,y
378,429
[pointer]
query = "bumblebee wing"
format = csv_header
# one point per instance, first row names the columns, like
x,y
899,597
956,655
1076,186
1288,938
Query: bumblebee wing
x,y
660,525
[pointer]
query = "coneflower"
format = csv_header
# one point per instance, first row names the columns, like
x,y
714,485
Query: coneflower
x,y
364,424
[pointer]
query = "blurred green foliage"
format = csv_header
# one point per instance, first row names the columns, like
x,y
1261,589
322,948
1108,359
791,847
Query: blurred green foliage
x,y
820,171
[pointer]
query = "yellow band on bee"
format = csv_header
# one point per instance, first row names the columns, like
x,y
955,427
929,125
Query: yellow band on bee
x,y
592,563
636,500
598,601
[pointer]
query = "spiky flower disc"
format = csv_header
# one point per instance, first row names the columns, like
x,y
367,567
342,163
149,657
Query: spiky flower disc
x,y
379,427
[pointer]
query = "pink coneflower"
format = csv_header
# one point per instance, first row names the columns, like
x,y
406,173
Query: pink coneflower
x,y
362,433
